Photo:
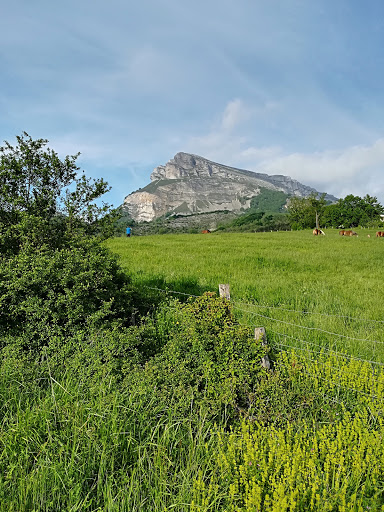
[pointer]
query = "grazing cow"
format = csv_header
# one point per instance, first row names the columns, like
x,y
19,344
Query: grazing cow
x,y
379,234
349,232
318,232
205,231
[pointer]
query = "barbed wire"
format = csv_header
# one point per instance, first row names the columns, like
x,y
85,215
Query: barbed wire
x,y
327,380
172,291
330,351
308,328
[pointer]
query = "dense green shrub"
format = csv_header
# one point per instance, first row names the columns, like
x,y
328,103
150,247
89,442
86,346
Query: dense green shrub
x,y
203,356
49,292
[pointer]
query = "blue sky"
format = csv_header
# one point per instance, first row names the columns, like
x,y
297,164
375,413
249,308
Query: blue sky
x,y
291,87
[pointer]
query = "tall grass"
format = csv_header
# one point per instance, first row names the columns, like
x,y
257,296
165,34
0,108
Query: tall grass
x,y
66,448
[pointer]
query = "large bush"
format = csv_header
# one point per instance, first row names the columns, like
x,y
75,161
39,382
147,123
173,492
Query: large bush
x,y
45,292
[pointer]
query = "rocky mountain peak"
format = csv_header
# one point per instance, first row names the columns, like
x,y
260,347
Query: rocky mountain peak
x,y
189,184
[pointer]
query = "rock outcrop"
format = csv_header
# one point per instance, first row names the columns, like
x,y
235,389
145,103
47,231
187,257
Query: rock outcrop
x,y
190,184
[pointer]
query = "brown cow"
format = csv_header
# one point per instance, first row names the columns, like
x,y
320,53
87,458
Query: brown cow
x,y
379,234
349,232
318,232
205,231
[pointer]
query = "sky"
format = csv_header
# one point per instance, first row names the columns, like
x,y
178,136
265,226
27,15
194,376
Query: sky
x,y
292,87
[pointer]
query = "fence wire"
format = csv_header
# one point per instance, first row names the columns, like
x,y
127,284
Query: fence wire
x,y
311,348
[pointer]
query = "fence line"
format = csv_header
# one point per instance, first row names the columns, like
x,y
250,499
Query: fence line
x,y
301,312
308,328
266,306
334,352
322,348
172,291
331,352
321,377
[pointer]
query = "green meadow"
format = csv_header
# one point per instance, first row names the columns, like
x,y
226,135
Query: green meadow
x,y
325,283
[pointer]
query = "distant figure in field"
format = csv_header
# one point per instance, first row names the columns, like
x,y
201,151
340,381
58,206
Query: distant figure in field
x,y
349,232
128,232
318,232
205,231
379,234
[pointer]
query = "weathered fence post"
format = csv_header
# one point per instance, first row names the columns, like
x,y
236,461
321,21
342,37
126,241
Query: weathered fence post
x,y
261,336
224,291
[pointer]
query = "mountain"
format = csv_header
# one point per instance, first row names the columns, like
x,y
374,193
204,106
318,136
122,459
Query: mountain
x,y
190,184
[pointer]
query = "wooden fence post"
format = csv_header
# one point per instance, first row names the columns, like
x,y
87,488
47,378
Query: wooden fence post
x,y
261,336
224,291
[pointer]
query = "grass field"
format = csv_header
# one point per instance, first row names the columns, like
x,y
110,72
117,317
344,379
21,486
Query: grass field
x,y
329,283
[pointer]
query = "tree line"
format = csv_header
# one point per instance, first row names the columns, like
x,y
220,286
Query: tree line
x,y
351,211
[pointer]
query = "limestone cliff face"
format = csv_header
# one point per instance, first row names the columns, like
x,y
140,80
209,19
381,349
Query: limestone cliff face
x,y
190,184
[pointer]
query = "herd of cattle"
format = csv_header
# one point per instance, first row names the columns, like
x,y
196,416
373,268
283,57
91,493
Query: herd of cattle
x,y
317,231
348,232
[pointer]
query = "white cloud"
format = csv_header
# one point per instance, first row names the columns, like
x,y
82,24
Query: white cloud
x,y
329,166
235,113
357,169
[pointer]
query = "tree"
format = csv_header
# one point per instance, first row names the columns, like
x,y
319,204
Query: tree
x,y
42,198
302,211
56,279
353,211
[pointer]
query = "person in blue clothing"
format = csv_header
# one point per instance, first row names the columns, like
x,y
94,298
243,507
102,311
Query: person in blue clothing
x,y
129,232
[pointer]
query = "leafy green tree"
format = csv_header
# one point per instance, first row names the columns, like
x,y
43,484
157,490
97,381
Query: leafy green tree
x,y
354,211
302,210
42,198
32,178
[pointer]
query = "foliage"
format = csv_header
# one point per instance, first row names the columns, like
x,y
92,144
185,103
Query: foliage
x,y
41,196
302,210
45,293
326,463
31,178
204,356
353,211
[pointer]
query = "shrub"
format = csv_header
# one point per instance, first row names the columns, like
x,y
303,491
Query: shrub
x,y
45,292
204,356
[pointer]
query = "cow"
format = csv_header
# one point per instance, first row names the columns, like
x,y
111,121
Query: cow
x,y
205,231
317,231
350,233
379,234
